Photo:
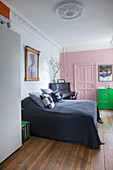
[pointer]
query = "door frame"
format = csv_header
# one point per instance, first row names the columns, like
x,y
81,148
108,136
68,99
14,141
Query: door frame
x,y
75,73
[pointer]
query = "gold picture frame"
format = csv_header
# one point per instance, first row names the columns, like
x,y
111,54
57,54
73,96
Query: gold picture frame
x,y
31,64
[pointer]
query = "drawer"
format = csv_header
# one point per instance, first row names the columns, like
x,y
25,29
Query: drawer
x,y
105,97
105,105
105,91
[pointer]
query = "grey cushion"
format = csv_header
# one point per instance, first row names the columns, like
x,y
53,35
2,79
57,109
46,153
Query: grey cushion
x,y
36,98
46,91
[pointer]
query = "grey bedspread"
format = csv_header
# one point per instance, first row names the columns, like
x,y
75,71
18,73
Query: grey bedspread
x,y
72,121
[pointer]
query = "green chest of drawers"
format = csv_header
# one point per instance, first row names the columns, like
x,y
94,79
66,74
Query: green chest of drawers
x,y
105,98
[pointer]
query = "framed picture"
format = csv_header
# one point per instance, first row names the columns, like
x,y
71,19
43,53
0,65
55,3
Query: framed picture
x,y
105,72
31,64
61,81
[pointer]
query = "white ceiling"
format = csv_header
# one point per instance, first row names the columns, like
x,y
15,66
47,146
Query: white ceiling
x,y
94,25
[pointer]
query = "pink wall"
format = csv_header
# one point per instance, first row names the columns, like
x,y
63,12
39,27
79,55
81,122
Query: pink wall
x,y
98,57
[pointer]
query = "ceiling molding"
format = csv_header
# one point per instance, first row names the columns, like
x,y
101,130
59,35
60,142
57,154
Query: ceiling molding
x,y
15,16
69,9
88,47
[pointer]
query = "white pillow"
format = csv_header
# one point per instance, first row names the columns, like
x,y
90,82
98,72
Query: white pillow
x,y
46,91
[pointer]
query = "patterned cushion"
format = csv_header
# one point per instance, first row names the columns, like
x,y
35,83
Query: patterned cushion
x,y
56,96
47,101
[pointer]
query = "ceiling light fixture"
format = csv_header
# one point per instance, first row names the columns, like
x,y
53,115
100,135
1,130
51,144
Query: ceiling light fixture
x,y
112,40
69,9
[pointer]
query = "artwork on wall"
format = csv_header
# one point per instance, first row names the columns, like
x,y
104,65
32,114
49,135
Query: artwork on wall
x,y
105,72
31,64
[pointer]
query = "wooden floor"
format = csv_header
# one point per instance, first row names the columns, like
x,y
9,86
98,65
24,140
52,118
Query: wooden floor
x,y
43,154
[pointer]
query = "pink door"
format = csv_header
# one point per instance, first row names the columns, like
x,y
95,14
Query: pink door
x,y
85,82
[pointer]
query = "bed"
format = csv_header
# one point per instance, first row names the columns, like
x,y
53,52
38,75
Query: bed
x,y
73,121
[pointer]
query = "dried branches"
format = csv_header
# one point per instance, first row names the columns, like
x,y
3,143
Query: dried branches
x,y
55,64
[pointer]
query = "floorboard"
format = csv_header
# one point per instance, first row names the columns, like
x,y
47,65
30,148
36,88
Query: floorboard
x,y
44,154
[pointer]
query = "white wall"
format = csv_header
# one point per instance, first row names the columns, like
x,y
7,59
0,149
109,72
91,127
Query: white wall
x,y
32,37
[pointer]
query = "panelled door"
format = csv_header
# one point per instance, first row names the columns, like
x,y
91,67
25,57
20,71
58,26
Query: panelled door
x,y
85,81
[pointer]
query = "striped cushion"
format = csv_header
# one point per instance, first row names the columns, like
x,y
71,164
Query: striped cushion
x,y
47,101
56,96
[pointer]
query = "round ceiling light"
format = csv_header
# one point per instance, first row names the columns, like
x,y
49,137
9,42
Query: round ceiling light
x,y
69,10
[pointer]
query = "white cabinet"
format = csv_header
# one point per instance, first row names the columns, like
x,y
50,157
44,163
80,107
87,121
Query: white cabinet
x,y
10,99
